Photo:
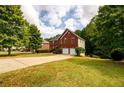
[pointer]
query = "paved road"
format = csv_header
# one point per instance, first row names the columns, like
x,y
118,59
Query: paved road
x,y
10,64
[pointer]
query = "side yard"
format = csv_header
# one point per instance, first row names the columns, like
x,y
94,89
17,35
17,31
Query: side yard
x,y
77,71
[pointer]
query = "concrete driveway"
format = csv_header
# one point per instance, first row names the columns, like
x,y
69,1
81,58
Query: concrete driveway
x,y
10,64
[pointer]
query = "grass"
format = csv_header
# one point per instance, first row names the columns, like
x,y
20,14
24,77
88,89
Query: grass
x,y
24,54
76,71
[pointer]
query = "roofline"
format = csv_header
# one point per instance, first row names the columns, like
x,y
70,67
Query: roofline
x,y
53,40
66,30
77,36
65,33
72,33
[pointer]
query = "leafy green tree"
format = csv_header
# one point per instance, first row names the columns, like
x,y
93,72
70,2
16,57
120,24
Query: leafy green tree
x,y
35,38
79,50
105,32
110,25
89,34
79,33
12,27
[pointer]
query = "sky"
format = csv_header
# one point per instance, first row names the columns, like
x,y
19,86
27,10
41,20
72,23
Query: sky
x,y
52,20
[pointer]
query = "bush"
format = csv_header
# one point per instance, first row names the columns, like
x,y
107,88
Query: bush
x,y
57,51
101,53
79,50
117,54
43,51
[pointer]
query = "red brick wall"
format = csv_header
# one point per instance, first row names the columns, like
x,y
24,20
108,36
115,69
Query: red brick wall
x,y
60,42
68,44
53,45
45,46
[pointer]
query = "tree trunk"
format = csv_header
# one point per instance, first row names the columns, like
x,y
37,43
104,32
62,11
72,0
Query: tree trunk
x,y
9,51
35,50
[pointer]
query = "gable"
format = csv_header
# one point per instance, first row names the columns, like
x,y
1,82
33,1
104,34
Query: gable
x,y
63,34
66,31
68,40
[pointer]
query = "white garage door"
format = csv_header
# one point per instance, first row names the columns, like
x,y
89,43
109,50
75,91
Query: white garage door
x,y
65,51
72,51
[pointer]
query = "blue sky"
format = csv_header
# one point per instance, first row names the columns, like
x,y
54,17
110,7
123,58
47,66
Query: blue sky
x,y
52,19
69,14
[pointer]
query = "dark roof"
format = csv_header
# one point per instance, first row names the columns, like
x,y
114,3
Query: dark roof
x,y
45,41
55,38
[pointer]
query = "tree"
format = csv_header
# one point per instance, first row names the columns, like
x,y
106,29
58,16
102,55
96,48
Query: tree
x,y
12,27
54,37
89,33
117,54
79,50
35,38
105,32
79,33
110,25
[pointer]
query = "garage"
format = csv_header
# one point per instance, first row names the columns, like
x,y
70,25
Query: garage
x,y
65,51
67,42
72,51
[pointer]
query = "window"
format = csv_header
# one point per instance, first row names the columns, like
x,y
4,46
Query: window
x,y
61,42
72,40
80,41
65,40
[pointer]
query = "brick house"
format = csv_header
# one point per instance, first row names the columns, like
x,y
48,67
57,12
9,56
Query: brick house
x,y
45,45
67,41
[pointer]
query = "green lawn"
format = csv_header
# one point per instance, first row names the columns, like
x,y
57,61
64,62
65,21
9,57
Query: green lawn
x,y
24,54
72,72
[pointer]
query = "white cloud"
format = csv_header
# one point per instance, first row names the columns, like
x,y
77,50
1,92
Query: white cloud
x,y
83,14
49,31
55,13
86,13
70,23
30,14
54,9
54,20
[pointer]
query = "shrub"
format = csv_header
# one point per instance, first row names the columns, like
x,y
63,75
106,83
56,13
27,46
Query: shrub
x,y
79,50
57,51
100,53
117,54
43,51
